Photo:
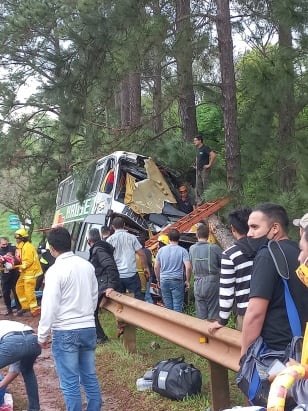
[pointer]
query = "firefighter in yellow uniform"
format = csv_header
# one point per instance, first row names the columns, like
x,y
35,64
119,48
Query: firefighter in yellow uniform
x,y
30,268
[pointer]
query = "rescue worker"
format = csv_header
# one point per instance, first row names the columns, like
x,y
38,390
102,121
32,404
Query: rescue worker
x,y
30,269
46,261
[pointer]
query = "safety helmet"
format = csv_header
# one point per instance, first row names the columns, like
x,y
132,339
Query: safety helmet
x,y
21,233
163,238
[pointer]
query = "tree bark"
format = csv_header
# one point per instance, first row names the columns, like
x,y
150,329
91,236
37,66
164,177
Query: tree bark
x,y
157,80
286,130
184,58
228,86
125,103
135,99
221,233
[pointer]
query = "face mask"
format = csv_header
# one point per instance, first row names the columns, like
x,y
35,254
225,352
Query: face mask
x,y
257,243
302,273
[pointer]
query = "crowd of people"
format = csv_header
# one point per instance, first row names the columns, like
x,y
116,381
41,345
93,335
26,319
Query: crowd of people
x,y
243,279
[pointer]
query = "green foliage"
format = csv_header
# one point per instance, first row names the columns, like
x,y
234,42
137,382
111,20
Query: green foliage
x,y
79,53
260,90
210,122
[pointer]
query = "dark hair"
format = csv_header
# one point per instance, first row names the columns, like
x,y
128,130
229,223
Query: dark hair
x,y
118,222
94,235
239,219
306,233
60,239
174,235
203,230
105,229
199,137
275,213
142,240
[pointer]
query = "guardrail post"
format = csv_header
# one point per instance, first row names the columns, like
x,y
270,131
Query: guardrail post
x,y
219,386
129,338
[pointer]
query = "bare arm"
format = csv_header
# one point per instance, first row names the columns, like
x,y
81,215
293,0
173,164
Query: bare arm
x,y
10,376
157,270
187,265
211,160
253,321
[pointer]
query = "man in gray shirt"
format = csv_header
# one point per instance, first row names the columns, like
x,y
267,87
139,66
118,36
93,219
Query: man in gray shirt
x,y
205,259
126,246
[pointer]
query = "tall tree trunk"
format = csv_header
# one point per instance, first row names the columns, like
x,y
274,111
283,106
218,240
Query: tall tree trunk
x,y
125,103
135,99
157,80
157,98
131,100
286,131
225,43
184,58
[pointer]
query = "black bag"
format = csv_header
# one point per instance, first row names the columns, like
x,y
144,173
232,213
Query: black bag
x,y
175,379
252,377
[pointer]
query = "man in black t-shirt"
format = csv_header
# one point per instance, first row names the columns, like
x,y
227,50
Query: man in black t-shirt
x,y
266,314
205,158
9,277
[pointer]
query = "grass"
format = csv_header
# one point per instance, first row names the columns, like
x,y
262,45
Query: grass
x,y
129,367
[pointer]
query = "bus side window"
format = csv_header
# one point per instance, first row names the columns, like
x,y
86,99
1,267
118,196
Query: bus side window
x,y
96,180
108,179
121,186
67,189
59,195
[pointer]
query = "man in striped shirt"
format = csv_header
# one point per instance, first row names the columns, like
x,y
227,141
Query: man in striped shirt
x,y
236,268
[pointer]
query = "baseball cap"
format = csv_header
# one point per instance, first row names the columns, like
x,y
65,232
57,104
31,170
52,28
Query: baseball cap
x,y
301,222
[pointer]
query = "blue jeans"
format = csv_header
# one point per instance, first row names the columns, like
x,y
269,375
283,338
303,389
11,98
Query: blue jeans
x,y
132,285
74,355
148,298
172,292
23,348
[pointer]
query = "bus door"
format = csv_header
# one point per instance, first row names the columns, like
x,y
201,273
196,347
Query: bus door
x,y
91,221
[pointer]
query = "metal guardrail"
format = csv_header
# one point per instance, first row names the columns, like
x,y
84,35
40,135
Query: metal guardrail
x,y
222,349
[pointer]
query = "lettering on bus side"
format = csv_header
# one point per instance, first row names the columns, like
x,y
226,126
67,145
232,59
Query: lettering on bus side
x,y
77,209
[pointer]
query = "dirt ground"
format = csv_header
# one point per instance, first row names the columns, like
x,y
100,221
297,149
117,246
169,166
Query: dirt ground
x,y
51,398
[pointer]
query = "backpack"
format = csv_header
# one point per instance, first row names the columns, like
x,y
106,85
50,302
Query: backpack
x,y
252,377
175,379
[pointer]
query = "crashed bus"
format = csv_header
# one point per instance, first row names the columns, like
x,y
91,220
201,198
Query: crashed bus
x,y
123,184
